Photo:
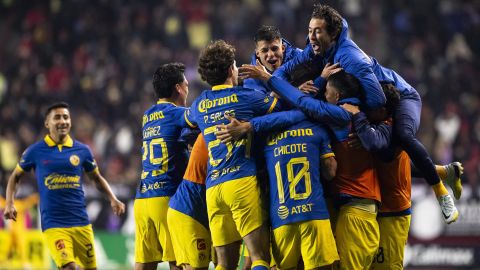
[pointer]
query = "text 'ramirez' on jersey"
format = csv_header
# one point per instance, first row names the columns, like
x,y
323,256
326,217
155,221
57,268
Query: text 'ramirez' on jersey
x,y
164,157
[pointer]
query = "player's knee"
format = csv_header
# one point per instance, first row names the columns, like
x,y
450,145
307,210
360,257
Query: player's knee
x,y
69,266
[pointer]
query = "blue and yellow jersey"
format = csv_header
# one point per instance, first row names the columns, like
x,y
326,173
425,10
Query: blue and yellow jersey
x,y
293,161
58,169
190,197
231,160
164,157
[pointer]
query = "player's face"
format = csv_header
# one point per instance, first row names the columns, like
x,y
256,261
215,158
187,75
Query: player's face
x,y
331,94
58,122
318,36
182,89
270,53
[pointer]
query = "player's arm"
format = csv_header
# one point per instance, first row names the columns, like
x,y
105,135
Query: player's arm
x,y
319,110
287,68
117,206
358,64
328,167
10,212
373,137
261,124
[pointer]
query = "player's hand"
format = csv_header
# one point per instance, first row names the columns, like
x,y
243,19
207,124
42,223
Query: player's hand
x,y
10,212
309,88
117,206
235,130
354,142
257,71
330,69
353,109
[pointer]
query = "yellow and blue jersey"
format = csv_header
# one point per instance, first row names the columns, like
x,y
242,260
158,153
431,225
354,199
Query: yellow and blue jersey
x,y
164,156
58,169
293,161
231,160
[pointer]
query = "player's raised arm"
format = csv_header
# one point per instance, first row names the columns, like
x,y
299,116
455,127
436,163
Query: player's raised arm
x,y
117,206
10,212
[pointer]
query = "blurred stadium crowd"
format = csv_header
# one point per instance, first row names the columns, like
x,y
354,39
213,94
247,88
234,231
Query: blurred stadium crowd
x,y
99,56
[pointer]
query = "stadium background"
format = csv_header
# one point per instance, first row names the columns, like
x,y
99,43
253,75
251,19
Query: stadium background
x,y
100,56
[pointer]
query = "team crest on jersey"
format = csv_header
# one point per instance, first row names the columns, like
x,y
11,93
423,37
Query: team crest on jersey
x,y
282,212
75,160
59,244
215,174
266,99
201,244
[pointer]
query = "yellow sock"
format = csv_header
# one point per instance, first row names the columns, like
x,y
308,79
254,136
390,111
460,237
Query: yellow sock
x,y
439,189
219,267
260,265
441,171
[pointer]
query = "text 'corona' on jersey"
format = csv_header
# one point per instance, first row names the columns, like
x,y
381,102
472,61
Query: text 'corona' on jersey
x,y
273,139
152,117
207,104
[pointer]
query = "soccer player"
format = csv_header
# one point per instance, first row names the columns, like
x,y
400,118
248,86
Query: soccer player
x,y
329,43
164,159
272,51
299,217
59,161
233,198
188,207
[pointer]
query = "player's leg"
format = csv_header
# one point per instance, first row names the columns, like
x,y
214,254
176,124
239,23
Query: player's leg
x,y
147,246
406,124
60,245
393,238
225,237
286,242
319,250
357,235
228,256
243,199
83,247
191,241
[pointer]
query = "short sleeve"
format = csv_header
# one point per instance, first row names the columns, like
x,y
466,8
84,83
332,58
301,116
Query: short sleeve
x,y
27,161
89,163
325,147
189,117
263,104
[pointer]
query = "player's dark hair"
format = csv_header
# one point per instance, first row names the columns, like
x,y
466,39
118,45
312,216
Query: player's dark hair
x,y
267,33
56,105
346,84
331,17
214,62
393,97
166,77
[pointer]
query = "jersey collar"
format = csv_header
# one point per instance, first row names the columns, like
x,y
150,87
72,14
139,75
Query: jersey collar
x,y
50,142
165,102
221,86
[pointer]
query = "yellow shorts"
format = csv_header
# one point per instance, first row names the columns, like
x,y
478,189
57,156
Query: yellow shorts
x,y
191,240
234,210
152,238
74,244
312,240
357,235
393,238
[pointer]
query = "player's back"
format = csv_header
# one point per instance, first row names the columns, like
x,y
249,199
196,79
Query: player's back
x,y
164,157
356,174
395,183
293,160
228,161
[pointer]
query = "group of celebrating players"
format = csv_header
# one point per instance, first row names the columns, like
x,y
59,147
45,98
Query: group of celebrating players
x,y
308,163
